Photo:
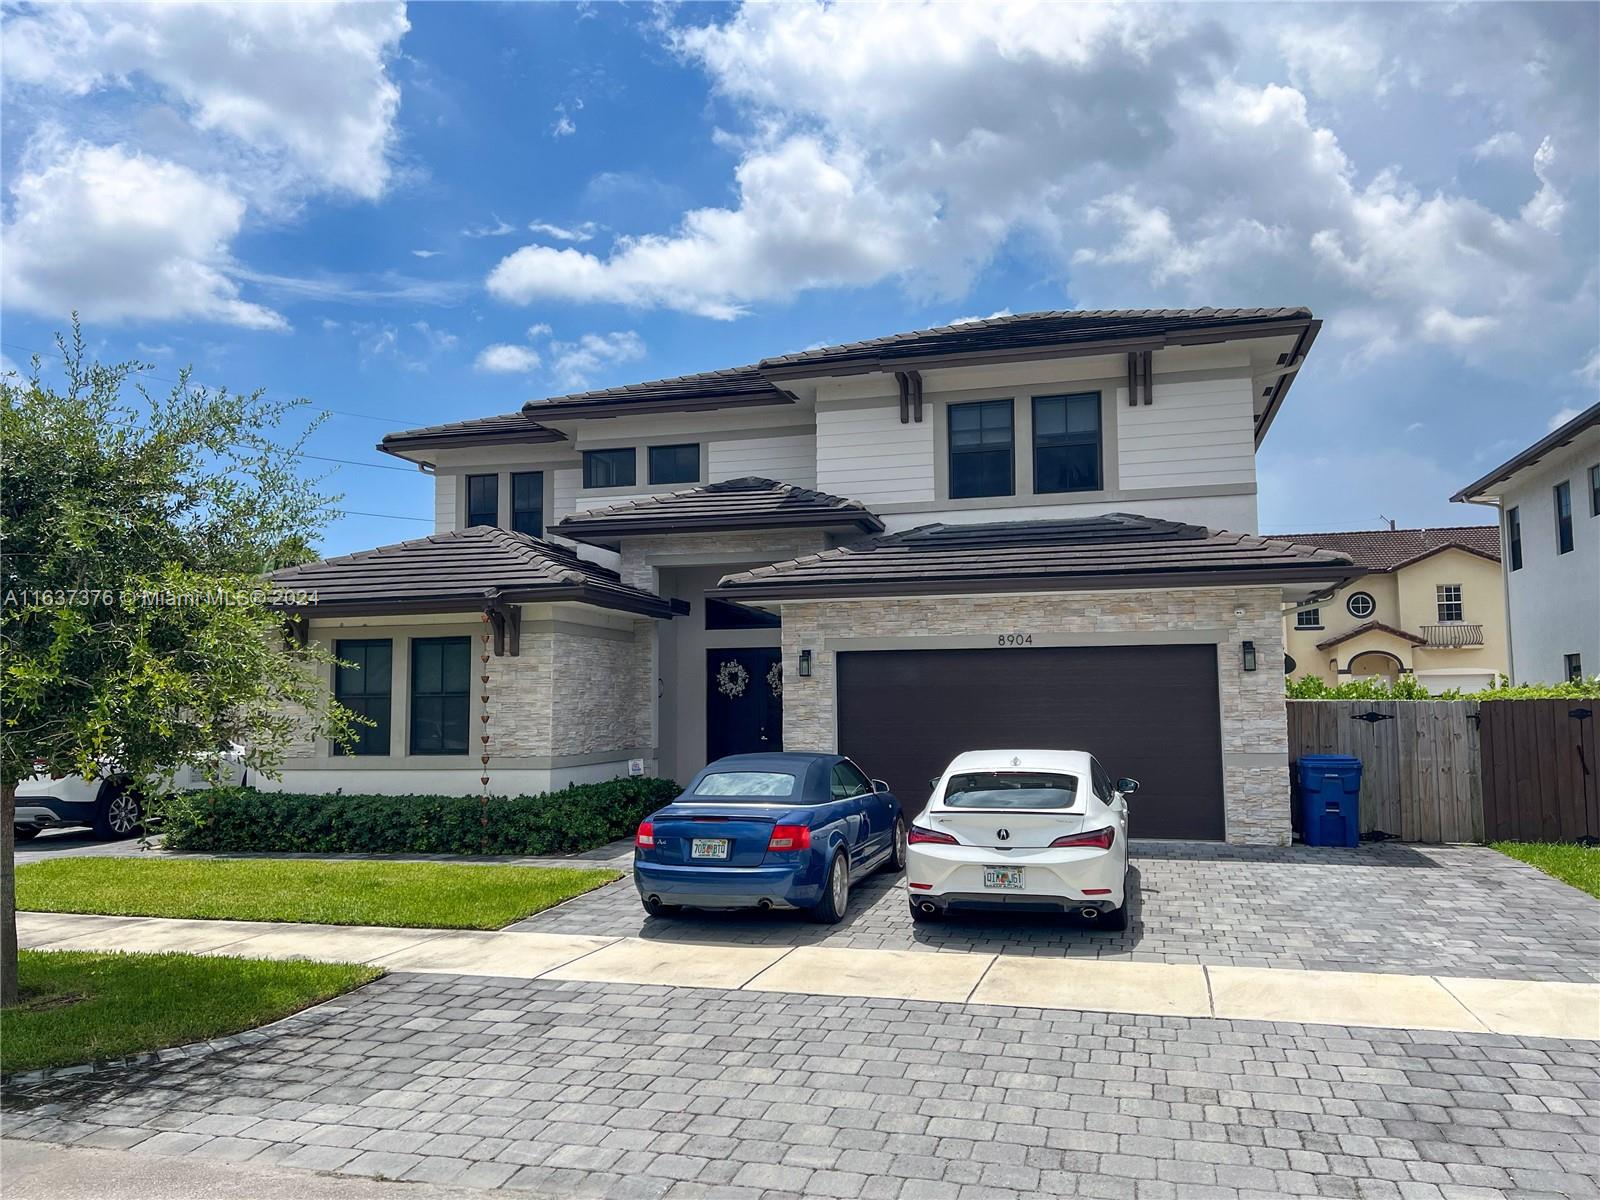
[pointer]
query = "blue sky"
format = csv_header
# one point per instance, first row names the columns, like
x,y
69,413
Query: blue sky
x,y
417,214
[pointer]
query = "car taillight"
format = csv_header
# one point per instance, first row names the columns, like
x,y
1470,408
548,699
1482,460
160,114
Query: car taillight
x,y
645,839
921,836
1098,839
790,837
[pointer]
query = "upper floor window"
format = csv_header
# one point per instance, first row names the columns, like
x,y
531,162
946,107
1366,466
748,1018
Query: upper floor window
x,y
441,685
609,468
1066,443
1360,605
1308,618
675,464
363,687
1563,492
527,503
483,500
1594,490
1514,537
981,459
1449,598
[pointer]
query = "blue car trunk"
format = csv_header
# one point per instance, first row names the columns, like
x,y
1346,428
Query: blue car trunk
x,y
746,827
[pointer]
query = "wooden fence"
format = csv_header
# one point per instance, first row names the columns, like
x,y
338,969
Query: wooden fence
x,y
1461,771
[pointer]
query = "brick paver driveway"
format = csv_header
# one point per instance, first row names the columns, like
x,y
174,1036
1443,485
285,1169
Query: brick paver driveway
x,y
1421,910
576,1089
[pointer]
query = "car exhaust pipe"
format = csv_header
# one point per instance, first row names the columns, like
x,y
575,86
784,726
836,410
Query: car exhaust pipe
x,y
1087,913
928,906
764,904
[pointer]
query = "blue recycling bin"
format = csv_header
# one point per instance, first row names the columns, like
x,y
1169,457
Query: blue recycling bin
x,y
1328,799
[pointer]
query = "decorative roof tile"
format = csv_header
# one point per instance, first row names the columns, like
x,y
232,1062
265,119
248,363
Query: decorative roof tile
x,y
1378,551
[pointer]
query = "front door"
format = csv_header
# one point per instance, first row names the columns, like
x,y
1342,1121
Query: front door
x,y
744,702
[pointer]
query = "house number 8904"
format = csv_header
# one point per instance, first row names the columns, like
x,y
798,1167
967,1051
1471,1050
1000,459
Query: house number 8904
x,y
1016,639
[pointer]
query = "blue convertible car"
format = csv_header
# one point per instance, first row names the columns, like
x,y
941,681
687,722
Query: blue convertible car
x,y
769,831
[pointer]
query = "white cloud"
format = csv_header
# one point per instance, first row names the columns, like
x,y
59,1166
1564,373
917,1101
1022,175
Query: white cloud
x,y
507,359
563,125
425,253
574,364
1590,371
564,233
497,228
540,329
1507,143
304,86
1561,417
120,236
1334,60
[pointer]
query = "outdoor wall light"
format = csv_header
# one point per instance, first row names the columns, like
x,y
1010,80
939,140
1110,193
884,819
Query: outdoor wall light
x,y
805,664
1249,656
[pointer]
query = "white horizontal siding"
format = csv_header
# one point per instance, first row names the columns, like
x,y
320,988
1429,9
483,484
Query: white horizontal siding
x,y
786,459
1195,434
564,483
444,503
866,454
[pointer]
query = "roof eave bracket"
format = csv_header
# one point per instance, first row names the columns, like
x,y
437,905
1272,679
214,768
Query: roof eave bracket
x,y
506,620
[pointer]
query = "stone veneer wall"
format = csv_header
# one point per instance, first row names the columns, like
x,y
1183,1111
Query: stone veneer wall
x,y
1254,715
602,698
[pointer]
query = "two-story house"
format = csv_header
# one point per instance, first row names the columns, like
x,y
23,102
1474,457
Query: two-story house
x,y
1035,530
1430,603
1549,501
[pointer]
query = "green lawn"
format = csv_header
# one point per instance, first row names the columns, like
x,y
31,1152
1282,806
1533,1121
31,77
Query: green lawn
x,y
402,894
1567,861
78,1006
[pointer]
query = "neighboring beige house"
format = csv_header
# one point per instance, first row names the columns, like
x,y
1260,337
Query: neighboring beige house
x,y
1034,530
1431,603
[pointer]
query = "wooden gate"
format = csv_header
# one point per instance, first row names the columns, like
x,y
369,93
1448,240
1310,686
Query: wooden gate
x,y
1541,772
1420,778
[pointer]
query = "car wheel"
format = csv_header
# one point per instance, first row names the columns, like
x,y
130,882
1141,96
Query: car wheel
x,y
117,815
835,892
897,856
28,834
655,908
921,916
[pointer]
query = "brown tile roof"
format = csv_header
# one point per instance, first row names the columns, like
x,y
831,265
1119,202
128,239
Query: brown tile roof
x,y
1113,551
1371,627
734,387
748,503
507,427
1037,330
1587,419
1378,551
460,571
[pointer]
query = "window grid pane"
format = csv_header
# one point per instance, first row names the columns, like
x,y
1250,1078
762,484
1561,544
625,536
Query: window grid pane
x,y
441,670
363,688
609,468
527,503
981,449
1066,443
1308,618
1563,497
483,500
1514,536
675,464
1449,598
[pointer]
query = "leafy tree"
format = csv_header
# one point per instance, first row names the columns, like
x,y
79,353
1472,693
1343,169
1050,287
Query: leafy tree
x,y
136,628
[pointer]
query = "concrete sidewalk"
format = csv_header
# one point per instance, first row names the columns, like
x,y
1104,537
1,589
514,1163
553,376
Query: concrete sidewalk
x,y
1346,998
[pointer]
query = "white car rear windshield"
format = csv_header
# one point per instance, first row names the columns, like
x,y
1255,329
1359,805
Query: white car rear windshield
x,y
1011,789
746,783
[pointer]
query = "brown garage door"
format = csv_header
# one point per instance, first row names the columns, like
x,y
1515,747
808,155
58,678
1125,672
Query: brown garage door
x,y
1151,712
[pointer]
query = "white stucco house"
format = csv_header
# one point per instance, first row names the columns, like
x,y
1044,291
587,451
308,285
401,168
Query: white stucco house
x,y
1549,502
1031,530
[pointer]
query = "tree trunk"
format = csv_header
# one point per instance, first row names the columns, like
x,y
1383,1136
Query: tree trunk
x,y
8,896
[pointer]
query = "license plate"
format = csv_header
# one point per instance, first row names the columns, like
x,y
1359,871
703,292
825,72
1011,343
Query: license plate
x,y
1002,877
709,848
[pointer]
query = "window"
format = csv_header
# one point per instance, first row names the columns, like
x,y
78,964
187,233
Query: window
x,y
1360,605
1103,787
726,614
675,464
980,450
1574,663
527,503
732,784
847,781
363,688
1563,517
1449,597
1066,443
483,500
609,468
1514,537
1308,618
441,683
1011,789
1594,490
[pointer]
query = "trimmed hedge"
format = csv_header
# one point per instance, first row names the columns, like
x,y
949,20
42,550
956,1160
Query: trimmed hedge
x,y
575,819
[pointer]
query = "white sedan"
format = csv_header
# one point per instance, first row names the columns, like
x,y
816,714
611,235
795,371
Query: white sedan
x,y
1027,830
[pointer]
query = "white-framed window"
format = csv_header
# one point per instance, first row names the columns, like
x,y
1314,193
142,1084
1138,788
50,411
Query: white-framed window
x,y
1574,665
1360,605
1449,597
1308,618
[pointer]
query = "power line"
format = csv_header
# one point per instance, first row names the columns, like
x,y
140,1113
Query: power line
x,y
351,512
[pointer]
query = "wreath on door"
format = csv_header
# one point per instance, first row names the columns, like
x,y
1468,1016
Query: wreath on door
x,y
775,678
732,679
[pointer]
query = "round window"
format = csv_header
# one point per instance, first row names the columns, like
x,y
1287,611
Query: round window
x,y
1361,605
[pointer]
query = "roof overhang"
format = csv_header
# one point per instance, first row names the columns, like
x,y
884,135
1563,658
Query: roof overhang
x,y
479,601
1377,627
1487,489
610,532
554,410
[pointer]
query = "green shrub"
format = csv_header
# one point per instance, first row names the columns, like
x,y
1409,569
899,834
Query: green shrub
x,y
572,820
1406,687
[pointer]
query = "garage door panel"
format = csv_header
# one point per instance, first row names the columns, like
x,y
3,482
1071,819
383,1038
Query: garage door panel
x,y
1151,712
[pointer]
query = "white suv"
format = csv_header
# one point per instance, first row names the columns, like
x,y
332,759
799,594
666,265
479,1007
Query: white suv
x,y
1026,830
107,804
